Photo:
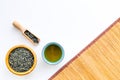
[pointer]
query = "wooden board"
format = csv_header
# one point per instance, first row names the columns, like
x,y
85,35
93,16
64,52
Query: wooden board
x,y
100,60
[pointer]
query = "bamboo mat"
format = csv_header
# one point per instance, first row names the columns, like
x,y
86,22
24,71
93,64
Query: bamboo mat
x,y
100,60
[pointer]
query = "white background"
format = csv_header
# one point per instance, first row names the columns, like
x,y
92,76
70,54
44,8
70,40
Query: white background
x,y
72,23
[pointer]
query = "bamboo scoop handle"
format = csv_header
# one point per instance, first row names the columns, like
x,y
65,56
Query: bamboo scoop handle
x,y
19,26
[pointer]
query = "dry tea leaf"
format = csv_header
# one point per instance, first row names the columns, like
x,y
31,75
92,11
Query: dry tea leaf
x,y
32,37
21,59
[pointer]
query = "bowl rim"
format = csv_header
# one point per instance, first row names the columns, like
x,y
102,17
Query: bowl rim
x,y
53,43
20,73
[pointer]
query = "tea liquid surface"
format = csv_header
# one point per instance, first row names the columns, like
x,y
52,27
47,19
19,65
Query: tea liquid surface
x,y
53,53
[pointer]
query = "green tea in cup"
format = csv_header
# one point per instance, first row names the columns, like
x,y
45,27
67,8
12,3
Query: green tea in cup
x,y
53,53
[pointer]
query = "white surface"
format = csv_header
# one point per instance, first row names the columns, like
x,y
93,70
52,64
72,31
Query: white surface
x,y
72,23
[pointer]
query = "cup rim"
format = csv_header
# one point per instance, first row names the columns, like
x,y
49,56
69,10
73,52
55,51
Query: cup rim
x,y
48,44
20,73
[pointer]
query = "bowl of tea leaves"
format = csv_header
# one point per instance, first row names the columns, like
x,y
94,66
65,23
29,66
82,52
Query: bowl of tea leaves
x,y
21,60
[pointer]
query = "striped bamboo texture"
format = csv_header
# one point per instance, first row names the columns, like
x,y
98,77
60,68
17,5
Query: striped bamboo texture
x,y
100,60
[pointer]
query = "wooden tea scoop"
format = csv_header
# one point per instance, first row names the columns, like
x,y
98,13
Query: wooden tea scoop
x,y
31,37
